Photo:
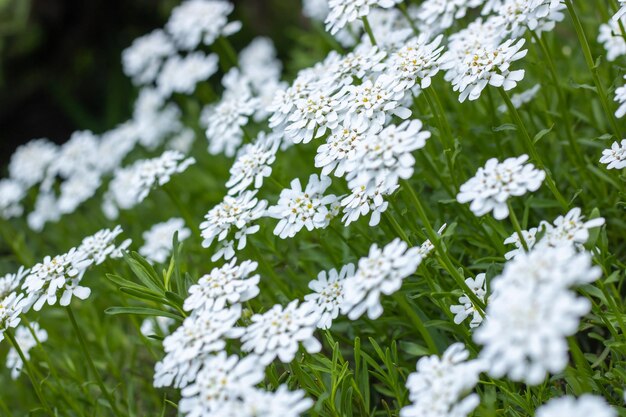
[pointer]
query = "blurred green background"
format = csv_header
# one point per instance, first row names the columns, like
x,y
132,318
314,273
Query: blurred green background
x,y
60,64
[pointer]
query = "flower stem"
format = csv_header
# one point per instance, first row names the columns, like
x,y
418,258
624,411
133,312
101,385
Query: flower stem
x,y
30,372
90,363
443,255
582,38
416,320
516,225
368,30
530,148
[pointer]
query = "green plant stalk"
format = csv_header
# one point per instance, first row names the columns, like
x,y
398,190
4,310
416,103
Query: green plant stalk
x,y
530,147
445,132
90,363
443,256
578,155
516,225
582,38
30,372
368,30
416,321
227,50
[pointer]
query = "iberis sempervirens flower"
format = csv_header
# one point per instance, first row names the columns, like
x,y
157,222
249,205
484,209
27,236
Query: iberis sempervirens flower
x,y
492,185
343,12
615,156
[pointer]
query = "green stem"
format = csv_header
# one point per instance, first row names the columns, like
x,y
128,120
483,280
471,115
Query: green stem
x,y
29,371
516,225
416,320
443,255
530,148
227,51
582,38
368,30
90,363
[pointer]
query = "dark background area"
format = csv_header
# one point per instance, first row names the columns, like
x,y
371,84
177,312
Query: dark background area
x,y
60,66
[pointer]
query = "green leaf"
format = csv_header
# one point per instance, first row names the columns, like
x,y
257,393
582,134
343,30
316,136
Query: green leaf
x,y
542,133
142,311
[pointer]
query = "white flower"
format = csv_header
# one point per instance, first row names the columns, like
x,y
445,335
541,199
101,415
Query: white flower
x,y
440,385
253,164
363,200
200,21
227,285
259,403
258,63
11,306
492,185
518,16
153,120
525,329
487,64
381,272
200,336
158,240
142,60
315,112
225,120
181,74
570,229
620,97
315,9
369,103
46,210
328,294
29,162
343,12
299,208
545,266
530,237
76,156
568,406
115,145
466,307
26,341
416,62
11,195
615,157
56,277
101,245
439,15
277,332
131,185
222,378
10,281
362,61
150,325
385,157
77,189
339,152
522,98
232,219
612,39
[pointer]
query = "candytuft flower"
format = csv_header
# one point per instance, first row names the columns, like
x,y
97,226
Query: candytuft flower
x,y
492,185
615,156
329,293
159,239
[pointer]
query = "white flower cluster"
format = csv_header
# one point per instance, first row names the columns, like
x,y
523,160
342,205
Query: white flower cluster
x,y
494,183
131,185
440,385
532,309
612,38
585,405
26,338
158,239
298,208
213,383
570,229
343,12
